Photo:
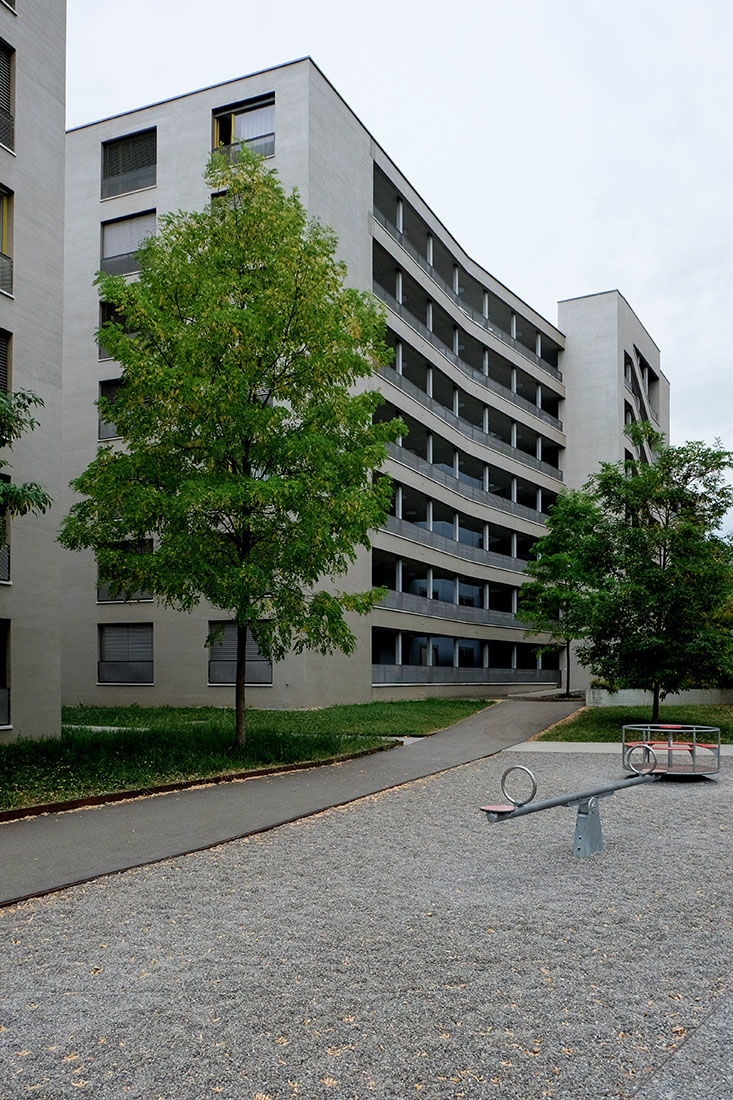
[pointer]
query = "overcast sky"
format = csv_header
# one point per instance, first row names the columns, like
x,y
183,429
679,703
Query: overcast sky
x,y
570,146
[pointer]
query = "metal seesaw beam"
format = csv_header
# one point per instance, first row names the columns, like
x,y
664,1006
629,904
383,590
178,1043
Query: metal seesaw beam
x,y
588,833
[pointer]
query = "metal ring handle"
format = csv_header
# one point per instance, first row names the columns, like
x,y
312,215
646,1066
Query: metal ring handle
x,y
515,801
648,756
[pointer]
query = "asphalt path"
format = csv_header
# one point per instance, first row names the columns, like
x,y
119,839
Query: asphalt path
x,y
42,854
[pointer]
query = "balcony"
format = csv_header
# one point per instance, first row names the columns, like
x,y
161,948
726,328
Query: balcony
x,y
439,674
465,427
460,486
462,550
466,310
456,361
439,609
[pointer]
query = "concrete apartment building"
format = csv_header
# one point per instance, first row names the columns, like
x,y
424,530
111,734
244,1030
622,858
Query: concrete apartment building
x,y
503,408
32,98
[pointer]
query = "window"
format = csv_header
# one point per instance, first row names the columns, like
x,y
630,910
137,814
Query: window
x,y
4,541
108,312
122,238
4,672
7,119
108,390
145,546
126,653
6,233
251,122
223,658
5,339
129,163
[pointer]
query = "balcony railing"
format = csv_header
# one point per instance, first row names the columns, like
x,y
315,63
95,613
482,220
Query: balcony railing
x,y
472,314
471,372
463,550
6,273
135,180
465,427
440,609
458,485
124,264
440,674
4,706
4,562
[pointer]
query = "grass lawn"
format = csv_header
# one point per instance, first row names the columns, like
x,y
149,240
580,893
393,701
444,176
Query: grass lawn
x,y
158,745
604,723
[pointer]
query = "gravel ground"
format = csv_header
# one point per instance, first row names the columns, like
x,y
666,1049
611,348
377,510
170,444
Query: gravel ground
x,y
397,947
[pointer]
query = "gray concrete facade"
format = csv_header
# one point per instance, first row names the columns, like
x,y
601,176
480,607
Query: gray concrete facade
x,y
33,41
477,373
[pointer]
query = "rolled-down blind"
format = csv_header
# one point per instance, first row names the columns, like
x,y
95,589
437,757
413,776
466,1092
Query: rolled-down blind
x,y
126,642
4,361
129,154
6,98
127,234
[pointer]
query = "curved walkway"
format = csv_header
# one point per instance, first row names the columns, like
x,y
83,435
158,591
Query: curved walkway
x,y
43,854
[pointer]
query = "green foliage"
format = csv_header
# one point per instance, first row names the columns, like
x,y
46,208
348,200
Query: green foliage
x,y
646,579
158,745
247,419
16,418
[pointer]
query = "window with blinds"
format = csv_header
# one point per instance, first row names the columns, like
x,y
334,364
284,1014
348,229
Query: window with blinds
x,y
109,390
6,233
251,122
129,163
7,110
125,653
4,361
223,658
121,239
104,589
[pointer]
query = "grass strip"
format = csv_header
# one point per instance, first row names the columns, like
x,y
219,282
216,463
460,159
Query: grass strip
x,y
156,745
604,723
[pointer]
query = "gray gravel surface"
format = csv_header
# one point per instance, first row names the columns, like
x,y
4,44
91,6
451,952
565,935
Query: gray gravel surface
x,y
397,947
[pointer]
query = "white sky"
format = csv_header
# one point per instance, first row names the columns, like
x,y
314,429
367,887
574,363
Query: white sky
x,y
571,146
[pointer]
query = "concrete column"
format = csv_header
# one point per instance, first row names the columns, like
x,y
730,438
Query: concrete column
x,y
455,653
456,279
398,502
456,526
513,332
398,285
513,435
430,448
398,575
486,304
398,648
429,256
485,425
514,379
429,316
400,215
430,582
398,357
485,364
430,515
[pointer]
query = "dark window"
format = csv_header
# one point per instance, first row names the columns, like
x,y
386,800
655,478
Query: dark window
x,y
108,390
4,361
7,119
129,163
104,590
122,238
223,658
126,653
251,122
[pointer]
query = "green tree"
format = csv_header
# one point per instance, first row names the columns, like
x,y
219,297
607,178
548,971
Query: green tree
x,y
653,577
18,499
553,600
247,419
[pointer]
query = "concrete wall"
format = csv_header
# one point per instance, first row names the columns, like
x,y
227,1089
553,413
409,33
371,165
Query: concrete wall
x,y
33,171
597,697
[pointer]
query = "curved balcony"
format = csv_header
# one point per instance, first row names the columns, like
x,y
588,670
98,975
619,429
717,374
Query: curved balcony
x,y
470,372
463,488
468,311
439,674
462,550
465,427
439,609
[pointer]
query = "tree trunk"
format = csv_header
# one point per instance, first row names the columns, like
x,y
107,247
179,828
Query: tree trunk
x,y
655,705
240,735
567,669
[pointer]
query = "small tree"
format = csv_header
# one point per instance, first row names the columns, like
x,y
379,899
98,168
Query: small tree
x,y
15,419
554,600
653,577
249,454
